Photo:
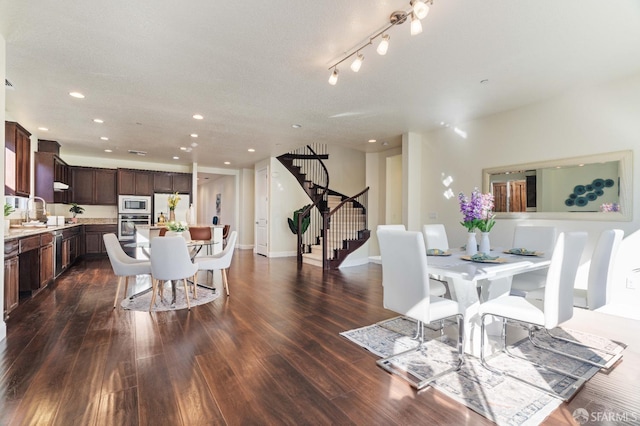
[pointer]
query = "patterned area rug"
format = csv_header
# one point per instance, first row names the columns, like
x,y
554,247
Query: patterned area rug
x,y
141,303
502,399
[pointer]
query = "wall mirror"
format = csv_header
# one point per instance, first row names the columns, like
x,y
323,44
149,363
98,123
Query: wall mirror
x,y
594,187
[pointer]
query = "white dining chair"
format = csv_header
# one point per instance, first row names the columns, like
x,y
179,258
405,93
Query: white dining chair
x,y
123,265
406,291
533,238
596,294
220,261
558,304
438,287
435,237
171,261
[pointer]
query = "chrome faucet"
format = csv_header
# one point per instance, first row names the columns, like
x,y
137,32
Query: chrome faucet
x,y
35,210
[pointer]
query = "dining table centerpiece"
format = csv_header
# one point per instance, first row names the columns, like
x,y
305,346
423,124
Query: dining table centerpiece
x,y
477,213
173,201
177,227
486,221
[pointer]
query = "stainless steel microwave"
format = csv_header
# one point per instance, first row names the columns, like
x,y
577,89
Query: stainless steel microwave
x,y
134,204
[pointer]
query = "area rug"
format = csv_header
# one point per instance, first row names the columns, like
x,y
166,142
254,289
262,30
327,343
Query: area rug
x,y
500,398
141,303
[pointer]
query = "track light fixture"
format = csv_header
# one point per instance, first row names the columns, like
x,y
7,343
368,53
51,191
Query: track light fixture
x,y
384,45
357,63
333,79
418,10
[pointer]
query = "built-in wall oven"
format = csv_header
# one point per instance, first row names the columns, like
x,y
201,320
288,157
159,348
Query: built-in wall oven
x,y
133,210
127,224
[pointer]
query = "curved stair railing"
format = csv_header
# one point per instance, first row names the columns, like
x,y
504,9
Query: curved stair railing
x,y
346,229
338,223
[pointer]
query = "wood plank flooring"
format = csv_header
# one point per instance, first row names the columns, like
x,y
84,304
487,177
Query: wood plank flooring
x,y
269,354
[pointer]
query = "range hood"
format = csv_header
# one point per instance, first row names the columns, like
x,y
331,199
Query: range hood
x,y
59,186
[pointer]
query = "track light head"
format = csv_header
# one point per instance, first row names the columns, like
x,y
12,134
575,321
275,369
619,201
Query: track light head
x,y
333,79
420,8
357,63
416,25
384,45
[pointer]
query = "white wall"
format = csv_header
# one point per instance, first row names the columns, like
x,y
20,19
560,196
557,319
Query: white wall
x,y
207,193
376,164
591,121
3,63
247,207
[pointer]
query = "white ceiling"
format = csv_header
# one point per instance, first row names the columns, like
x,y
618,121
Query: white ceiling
x,y
254,68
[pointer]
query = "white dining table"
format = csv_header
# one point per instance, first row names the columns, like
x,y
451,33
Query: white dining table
x,y
472,283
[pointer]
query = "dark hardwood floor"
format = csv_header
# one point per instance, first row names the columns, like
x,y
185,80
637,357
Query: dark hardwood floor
x,y
269,354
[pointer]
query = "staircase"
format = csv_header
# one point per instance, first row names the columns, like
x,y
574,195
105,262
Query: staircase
x,y
338,223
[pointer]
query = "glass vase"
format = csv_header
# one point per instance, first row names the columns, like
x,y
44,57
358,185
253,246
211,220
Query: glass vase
x,y
172,216
472,245
485,245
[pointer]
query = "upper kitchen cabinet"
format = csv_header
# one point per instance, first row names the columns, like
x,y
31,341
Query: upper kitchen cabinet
x,y
135,182
17,158
93,186
52,175
172,182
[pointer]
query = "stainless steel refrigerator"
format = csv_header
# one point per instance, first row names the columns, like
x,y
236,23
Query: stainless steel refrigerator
x,y
161,204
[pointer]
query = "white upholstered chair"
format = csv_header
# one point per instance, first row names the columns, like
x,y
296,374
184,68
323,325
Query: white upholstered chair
x,y
600,271
558,303
437,287
406,291
123,265
533,238
171,261
435,237
220,261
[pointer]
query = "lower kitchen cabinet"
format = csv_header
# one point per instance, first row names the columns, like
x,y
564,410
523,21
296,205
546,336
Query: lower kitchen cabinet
x,y
11,276
35,263
93,238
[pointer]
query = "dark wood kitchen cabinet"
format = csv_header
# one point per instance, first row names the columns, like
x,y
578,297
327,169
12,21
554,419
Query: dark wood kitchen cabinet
x,y
11,276
35,263
93,186
49,168
17,166
93,241
172,182
135,182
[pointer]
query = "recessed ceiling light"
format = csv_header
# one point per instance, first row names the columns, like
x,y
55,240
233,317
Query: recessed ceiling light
x,y
184,148
194,144
97,120
194,135
108,150
44,129
76,95
296,126
198,116
251,150
372,141
227,163
385,143
176,158
104,138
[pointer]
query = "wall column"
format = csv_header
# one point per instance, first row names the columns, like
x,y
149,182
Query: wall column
x,y
411,180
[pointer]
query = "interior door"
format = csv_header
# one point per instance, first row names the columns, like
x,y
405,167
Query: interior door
x,y
262,211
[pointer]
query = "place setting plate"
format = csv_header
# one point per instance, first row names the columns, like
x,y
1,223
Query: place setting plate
x,y
438,252
523,252
483,259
